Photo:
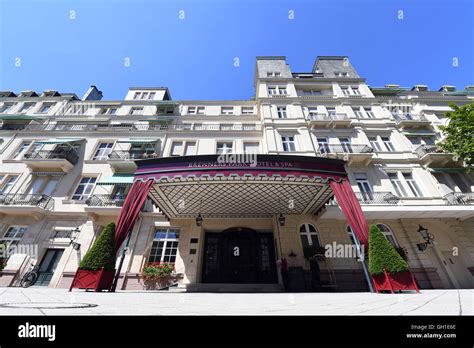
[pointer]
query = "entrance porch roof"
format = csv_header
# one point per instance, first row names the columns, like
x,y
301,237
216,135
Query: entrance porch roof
x,y
221,186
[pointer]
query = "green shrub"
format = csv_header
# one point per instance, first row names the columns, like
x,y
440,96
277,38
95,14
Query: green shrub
x,y
102,253
382,254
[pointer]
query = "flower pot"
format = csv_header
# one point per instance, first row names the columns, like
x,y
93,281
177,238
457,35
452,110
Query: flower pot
x,y
96,280
160,283
394,281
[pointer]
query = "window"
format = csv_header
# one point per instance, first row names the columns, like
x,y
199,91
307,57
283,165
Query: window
x,y
247,110
26,107
281,111
323,145
273,74
374,143
397,185
144,95
429,140
414,188
309,236
108,111
176,148
151,95
310,92
20,152
136,110
251,148
355,90
13,236
387,143
190,148
137,95
312,111
388,234
103,151
6,108
346,145
364,186
43,184
274,90
45,108
358,112
345,90
7,182
331,111
227,110
165,245
369,112
224,148
288,143
195,110
84,189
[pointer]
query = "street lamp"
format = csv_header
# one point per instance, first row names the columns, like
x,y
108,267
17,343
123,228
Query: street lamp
x,y
72,239
281,220
199,220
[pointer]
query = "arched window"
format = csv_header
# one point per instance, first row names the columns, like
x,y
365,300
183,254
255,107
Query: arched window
x,y
309,235
387,232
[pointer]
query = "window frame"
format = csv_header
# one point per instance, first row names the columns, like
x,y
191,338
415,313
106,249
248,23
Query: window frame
x,y
164,247
81,196
307,233
288,145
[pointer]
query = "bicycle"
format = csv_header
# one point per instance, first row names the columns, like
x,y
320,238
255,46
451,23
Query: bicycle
x,y
30,277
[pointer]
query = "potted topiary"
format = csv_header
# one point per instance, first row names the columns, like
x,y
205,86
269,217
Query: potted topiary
x,y
97,269
158,275
388,269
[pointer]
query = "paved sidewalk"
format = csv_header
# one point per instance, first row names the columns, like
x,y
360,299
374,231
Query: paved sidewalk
x,y
62,302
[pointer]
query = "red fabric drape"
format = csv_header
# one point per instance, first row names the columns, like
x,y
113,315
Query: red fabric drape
x,y
351,209
130,210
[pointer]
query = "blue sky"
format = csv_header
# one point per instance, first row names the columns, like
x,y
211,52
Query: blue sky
x,y
194,56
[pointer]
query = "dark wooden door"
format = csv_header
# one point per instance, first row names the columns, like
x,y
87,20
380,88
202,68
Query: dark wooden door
x,y
48,266
239,255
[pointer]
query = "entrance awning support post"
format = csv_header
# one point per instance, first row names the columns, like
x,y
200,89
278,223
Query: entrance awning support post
x,y
122,258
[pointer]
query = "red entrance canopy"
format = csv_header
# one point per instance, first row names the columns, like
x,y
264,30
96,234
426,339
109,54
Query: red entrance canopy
x,y
311,181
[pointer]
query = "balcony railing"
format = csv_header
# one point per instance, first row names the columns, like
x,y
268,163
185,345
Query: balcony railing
x,y
459,198
377,198
69,154
319,117
424,149
409,117
345,148
144,127
105,201
37,200
131,155
339,117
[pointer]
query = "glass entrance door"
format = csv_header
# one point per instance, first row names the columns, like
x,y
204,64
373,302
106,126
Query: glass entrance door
x,y
48,266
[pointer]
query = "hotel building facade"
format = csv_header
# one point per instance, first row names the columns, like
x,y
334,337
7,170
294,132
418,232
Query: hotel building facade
x,y
67,164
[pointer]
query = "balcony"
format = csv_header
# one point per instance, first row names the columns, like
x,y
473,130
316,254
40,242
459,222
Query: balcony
x,y
321,120
123,161
25,204
459,198
63,159
354,154
340,121
377,198
412,121
105,204
434,156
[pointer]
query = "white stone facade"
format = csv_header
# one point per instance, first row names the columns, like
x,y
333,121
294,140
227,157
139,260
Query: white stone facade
x,y
51,142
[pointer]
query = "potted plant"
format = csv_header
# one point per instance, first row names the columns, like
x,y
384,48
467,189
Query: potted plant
x,y
158,275
388,269
97,269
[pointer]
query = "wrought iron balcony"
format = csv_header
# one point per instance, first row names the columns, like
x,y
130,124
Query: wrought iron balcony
x,y
25,199
345,149
409,117
131,155
434,156
377,198
69,155
105,200
459,198
426,149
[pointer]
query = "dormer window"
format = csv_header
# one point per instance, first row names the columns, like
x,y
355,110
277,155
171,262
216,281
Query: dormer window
x,y
227,110
45,108
5,108
273,74
195,110
247,110
277,90
136,111
341,74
